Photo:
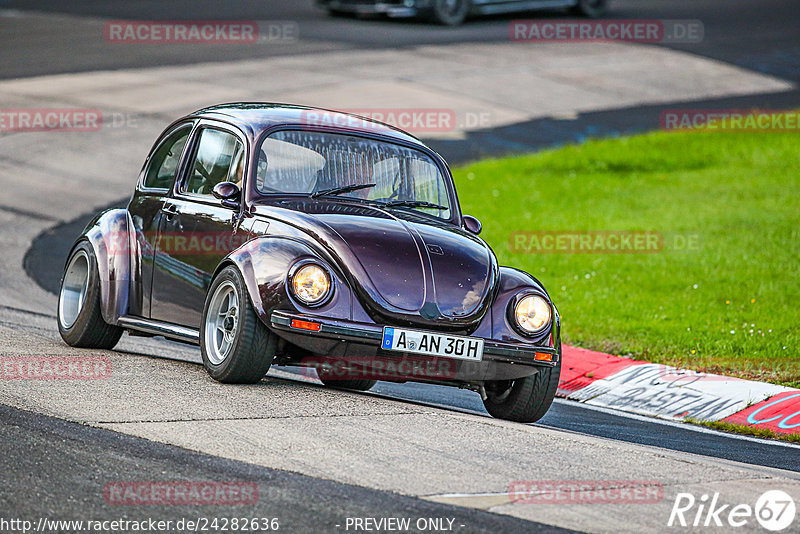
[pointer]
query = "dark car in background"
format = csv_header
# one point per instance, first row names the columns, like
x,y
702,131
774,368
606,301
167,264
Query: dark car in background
x,y
454,12
270,233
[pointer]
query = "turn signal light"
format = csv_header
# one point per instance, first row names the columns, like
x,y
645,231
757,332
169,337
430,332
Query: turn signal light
x,y
543,357
306,325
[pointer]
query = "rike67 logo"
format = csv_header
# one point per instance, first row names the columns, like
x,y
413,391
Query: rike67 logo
x,y
774,511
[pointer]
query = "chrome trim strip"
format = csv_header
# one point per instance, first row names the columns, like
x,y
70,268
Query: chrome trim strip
x,y
169,330
495,8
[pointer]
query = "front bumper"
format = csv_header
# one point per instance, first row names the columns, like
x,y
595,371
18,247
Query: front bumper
x,y
346,340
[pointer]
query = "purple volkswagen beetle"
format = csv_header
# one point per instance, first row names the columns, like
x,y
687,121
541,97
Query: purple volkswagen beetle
x,y
271,233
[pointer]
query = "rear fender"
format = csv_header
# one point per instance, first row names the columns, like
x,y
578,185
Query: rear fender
x,y
110,237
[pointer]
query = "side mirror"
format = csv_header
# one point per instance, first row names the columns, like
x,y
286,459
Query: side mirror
x,y
229,193
471,224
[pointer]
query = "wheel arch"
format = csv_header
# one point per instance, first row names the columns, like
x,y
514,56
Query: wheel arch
x,y
109,235
264,263
512,282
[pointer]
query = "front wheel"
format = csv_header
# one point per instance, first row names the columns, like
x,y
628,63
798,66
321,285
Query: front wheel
x,y
524,400
80,320
450,12
591,8
237,347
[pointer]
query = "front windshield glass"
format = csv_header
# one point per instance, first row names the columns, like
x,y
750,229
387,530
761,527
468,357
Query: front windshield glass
x,y
295,161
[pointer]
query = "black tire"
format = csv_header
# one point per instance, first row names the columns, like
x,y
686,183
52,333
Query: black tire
x,y
253,346
591,8
329,375
338,13
450,12
82,324
523,400
357,385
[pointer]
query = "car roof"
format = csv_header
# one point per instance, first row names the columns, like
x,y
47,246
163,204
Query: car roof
x,y
256,117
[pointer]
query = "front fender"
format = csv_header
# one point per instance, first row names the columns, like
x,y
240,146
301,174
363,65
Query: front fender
x,y
264,263
497,325
110,237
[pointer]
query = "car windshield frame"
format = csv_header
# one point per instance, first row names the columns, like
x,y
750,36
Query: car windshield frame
x,y
446,176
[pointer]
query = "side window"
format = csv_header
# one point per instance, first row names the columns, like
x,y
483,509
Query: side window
x,y
164,162
220,158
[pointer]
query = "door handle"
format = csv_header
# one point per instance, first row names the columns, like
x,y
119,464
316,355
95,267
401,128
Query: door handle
x,y
170,210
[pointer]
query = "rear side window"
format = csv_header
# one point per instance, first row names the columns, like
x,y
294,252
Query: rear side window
x,y
164,162
220,158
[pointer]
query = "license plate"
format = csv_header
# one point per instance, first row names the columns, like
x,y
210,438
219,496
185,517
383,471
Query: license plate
x,y
459,347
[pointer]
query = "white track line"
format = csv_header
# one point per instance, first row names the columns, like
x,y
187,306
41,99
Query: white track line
x,y
685,426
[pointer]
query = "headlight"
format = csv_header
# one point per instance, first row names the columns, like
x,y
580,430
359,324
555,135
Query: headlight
x,y
311,284
532,314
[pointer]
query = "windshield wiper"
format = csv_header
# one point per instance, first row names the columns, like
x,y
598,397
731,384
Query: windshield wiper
x,y
343,189
413,204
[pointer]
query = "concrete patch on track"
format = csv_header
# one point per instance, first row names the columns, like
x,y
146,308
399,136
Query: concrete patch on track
x,y
89,469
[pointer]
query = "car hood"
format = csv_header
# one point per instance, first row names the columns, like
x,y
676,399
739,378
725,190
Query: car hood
x,y
404,266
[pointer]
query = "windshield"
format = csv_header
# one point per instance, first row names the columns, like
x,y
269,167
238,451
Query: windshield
x,y
315,163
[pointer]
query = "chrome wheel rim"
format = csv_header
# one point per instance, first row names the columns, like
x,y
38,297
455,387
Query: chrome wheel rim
x,y
74,289
222,322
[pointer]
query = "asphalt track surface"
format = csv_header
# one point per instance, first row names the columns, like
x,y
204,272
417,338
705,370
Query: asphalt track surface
x,y
761,36
78,457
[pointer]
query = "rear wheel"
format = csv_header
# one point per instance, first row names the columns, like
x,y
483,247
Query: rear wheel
x,y
80,320
237,347
524,400
450,12
591,8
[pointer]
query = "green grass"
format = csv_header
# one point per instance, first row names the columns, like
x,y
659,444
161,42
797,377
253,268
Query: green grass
x,y
730,306
765,433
